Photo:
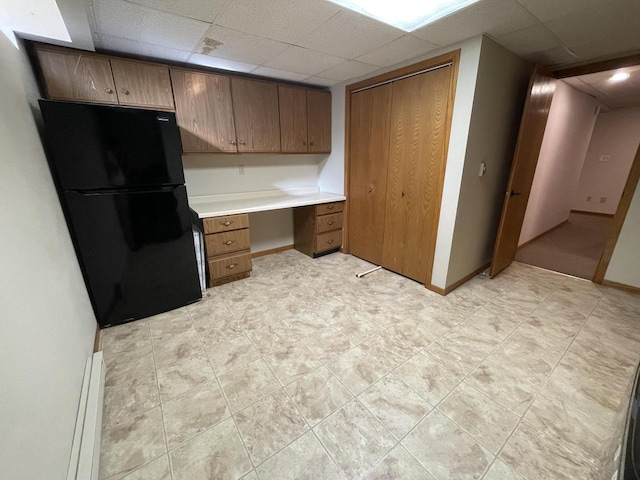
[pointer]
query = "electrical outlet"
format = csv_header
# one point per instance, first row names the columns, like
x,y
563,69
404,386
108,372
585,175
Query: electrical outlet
x,y
603,199
588,199
241,169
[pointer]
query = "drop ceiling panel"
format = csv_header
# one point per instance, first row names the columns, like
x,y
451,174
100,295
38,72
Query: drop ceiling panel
x,y
122,19
520,42
242,47
283,20
302,60
604,23
279,74
321,82
204,10
553,56
223,63
487,16
139,48
347,70
546,10
397,51
350,35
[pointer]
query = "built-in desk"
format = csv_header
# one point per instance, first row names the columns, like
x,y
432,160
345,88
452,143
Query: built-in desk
x,y
226,226
235,203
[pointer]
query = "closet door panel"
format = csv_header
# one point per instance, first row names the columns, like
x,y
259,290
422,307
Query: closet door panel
x,y
403,104
424,169
369,134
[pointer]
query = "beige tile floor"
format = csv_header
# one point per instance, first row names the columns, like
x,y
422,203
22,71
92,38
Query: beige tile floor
x,y
304,371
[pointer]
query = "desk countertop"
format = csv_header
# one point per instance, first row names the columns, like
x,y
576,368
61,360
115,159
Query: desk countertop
x,y
235,203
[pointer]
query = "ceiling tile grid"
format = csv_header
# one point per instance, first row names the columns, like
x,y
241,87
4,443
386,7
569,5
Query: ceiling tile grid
x,y
319,42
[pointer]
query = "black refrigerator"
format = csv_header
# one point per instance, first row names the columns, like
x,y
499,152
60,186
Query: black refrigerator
x,y
119,177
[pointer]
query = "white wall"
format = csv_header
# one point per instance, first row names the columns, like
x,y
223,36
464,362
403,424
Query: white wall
x,y
625,263
500,92
332,170
616,134
219,173
572,118
215,174
47,326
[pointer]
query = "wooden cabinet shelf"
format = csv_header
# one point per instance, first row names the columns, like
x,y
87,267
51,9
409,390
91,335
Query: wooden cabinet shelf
x,y
80,76
318,228
305,120
228,249
216,113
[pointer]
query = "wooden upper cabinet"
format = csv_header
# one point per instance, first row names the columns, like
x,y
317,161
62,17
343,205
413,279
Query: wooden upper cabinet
x,y
255,108
142,84
319,115
75,75
293,119
204,111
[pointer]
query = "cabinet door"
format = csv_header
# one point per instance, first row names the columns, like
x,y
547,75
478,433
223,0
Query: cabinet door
x,y
293,118
77,76
204,111
319,114
369,132
416,170
255,109
142,84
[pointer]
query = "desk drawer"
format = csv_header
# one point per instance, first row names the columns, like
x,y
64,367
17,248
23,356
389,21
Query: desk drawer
x,y
225,242
325,208
225,224
326,223
328,241
228,265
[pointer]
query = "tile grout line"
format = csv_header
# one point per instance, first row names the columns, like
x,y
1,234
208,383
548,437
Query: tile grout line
x,y
224,395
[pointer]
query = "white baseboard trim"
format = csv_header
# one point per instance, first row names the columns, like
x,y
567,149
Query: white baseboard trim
x,y
85,450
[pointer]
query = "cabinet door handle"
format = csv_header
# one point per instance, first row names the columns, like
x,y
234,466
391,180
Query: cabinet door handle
x,y
242,142
227,223
311,144
229,242
403,194
330,241
125,91
232,142
232,266
304,143
330,223
108,90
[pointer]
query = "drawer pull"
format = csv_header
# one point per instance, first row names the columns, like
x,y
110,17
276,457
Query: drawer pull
x,y
232,266
227,223
229,242
330,207
330,223
330,241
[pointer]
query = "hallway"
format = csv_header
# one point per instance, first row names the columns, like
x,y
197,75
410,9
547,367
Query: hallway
x,y
573,248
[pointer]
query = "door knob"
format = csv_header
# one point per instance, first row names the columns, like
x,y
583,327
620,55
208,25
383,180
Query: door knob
x,y
242,142
403,194
125,91
370,189
513,193
108,90
232,142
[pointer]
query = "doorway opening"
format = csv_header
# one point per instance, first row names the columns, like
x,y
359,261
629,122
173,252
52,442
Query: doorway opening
x,y
572,209
589,144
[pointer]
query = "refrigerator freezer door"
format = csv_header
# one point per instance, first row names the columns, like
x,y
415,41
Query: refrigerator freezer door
x,y
136,252
93,147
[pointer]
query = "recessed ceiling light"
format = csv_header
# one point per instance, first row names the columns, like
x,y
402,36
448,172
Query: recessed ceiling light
x,y
619,77
407,15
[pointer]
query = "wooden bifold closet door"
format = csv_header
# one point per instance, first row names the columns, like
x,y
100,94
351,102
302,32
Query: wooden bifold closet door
x,y
398,144
370,126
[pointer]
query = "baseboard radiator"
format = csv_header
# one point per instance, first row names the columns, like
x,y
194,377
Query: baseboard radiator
x,y
85,450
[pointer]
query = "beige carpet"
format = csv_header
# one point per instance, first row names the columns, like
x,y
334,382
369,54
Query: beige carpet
x,y
575,248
